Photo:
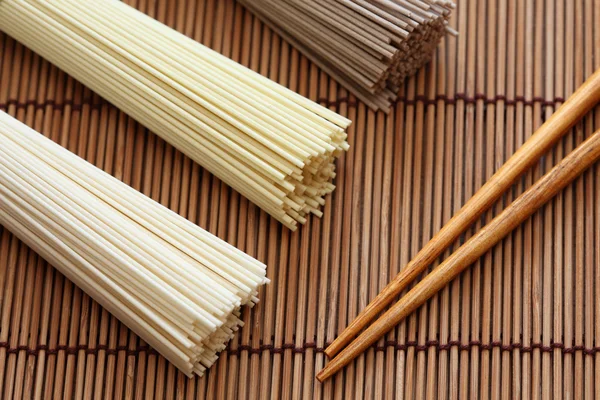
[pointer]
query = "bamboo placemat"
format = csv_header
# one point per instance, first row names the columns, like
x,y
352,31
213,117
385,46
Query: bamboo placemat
x,y
523,322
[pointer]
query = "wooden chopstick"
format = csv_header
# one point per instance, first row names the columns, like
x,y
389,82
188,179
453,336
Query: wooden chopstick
x,y
586,97
517,212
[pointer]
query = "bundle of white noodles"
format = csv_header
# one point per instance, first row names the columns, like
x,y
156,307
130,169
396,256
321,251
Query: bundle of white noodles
x,y
369,46
177,286
270,144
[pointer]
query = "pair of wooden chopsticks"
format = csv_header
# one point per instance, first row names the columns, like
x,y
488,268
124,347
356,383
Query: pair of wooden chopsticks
x,y
584,156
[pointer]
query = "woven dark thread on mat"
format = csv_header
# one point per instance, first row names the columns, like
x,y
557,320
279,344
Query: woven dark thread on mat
x,y
431,344
76,349
77,106
454,99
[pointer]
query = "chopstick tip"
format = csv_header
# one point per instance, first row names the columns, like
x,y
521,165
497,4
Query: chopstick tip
x,y
323,375
337,345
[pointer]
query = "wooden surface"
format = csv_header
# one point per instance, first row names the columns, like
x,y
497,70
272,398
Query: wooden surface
x,y
523,322
526,156
483,241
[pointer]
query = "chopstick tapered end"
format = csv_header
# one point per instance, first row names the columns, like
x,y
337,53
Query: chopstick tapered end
x,y
330,352
341,341
333,366
323,375
377,305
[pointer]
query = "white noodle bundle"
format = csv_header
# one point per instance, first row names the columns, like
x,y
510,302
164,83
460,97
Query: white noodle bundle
x,y
177,286
272,145
369,46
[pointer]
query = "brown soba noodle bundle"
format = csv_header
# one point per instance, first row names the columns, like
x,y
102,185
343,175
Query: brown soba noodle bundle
x,y
369,46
